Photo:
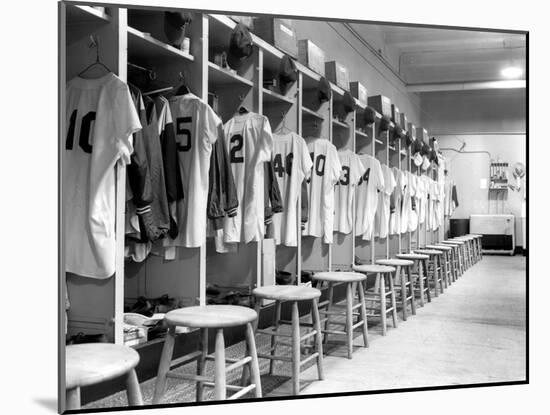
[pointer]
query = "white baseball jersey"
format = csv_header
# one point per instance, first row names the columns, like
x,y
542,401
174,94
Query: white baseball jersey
x,y
196,127
100,119
369,185
382,216
344,192
325,172
422,198
413,215
249,143
406,203
291,164
395,217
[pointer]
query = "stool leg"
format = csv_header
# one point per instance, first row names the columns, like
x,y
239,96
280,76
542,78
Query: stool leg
x,y
439,273
201,363
219,365
363,311
427,281
295,349
246,373
318,338
72,398
254,366
399,272
273,338
434,275
421,283
393,304
411,289
382,291
349,318
164,365
329,306
132,389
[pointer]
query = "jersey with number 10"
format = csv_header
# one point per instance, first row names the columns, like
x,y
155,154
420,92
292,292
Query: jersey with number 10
x,y
249,143
197,127
291,164
325,172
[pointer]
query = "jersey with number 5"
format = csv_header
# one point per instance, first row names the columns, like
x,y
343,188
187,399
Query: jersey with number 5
x,y
249,143
196,128
291,164
100,120
324,175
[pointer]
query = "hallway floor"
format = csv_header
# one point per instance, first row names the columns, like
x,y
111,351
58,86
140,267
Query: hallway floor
x,y
474,333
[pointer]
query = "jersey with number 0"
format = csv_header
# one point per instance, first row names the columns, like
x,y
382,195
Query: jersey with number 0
x,y
249,143
196,128
344,192
291,164
369,185
100,119
325,173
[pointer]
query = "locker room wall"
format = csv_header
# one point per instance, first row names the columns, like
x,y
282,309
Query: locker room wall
x,y
468,169
370,71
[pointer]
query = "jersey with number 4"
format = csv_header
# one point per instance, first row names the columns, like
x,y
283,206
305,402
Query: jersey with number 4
x,y
291,164
197,127
344,192
249,143
101,118
324,175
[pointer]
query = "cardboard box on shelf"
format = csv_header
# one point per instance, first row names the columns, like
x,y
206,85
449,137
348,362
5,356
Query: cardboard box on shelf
x,y
337,74
359,91
279,33
395,115
381,104
312,56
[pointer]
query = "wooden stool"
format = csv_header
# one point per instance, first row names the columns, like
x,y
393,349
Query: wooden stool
x,y
294,294
434,268
353,281
477,246
207,317
445,262
380,293
404,278
467,252
90,364
421,283
459,253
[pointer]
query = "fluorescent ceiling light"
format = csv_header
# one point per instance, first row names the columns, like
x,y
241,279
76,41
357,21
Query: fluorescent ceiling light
x,y
511,72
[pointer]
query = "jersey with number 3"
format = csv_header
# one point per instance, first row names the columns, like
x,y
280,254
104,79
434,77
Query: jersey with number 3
x,y
249,143
197,127
291,164
324,175
101,118
344,192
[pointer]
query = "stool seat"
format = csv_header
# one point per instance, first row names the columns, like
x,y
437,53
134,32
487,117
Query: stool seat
x,y
439,247
339,276
89,364
395,262
286,292
454,242
211,316
373,268
428,251
412,256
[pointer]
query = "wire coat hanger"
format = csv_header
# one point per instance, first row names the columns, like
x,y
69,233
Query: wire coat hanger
x,y
94,42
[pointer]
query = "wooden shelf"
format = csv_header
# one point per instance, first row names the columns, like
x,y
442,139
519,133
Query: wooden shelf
x,y
84,20
219,76
339,124
306,112
403,153
377,141
275,97
392,148
143,45
361,134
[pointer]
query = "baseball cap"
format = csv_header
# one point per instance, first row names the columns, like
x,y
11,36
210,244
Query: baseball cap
x,y
240,46
385,123
174,26
287,73
349,102
425,150
398,133
417,159
325,91
408,139
369,115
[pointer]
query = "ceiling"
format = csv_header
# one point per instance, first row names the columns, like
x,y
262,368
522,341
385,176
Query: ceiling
x,y
423,56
